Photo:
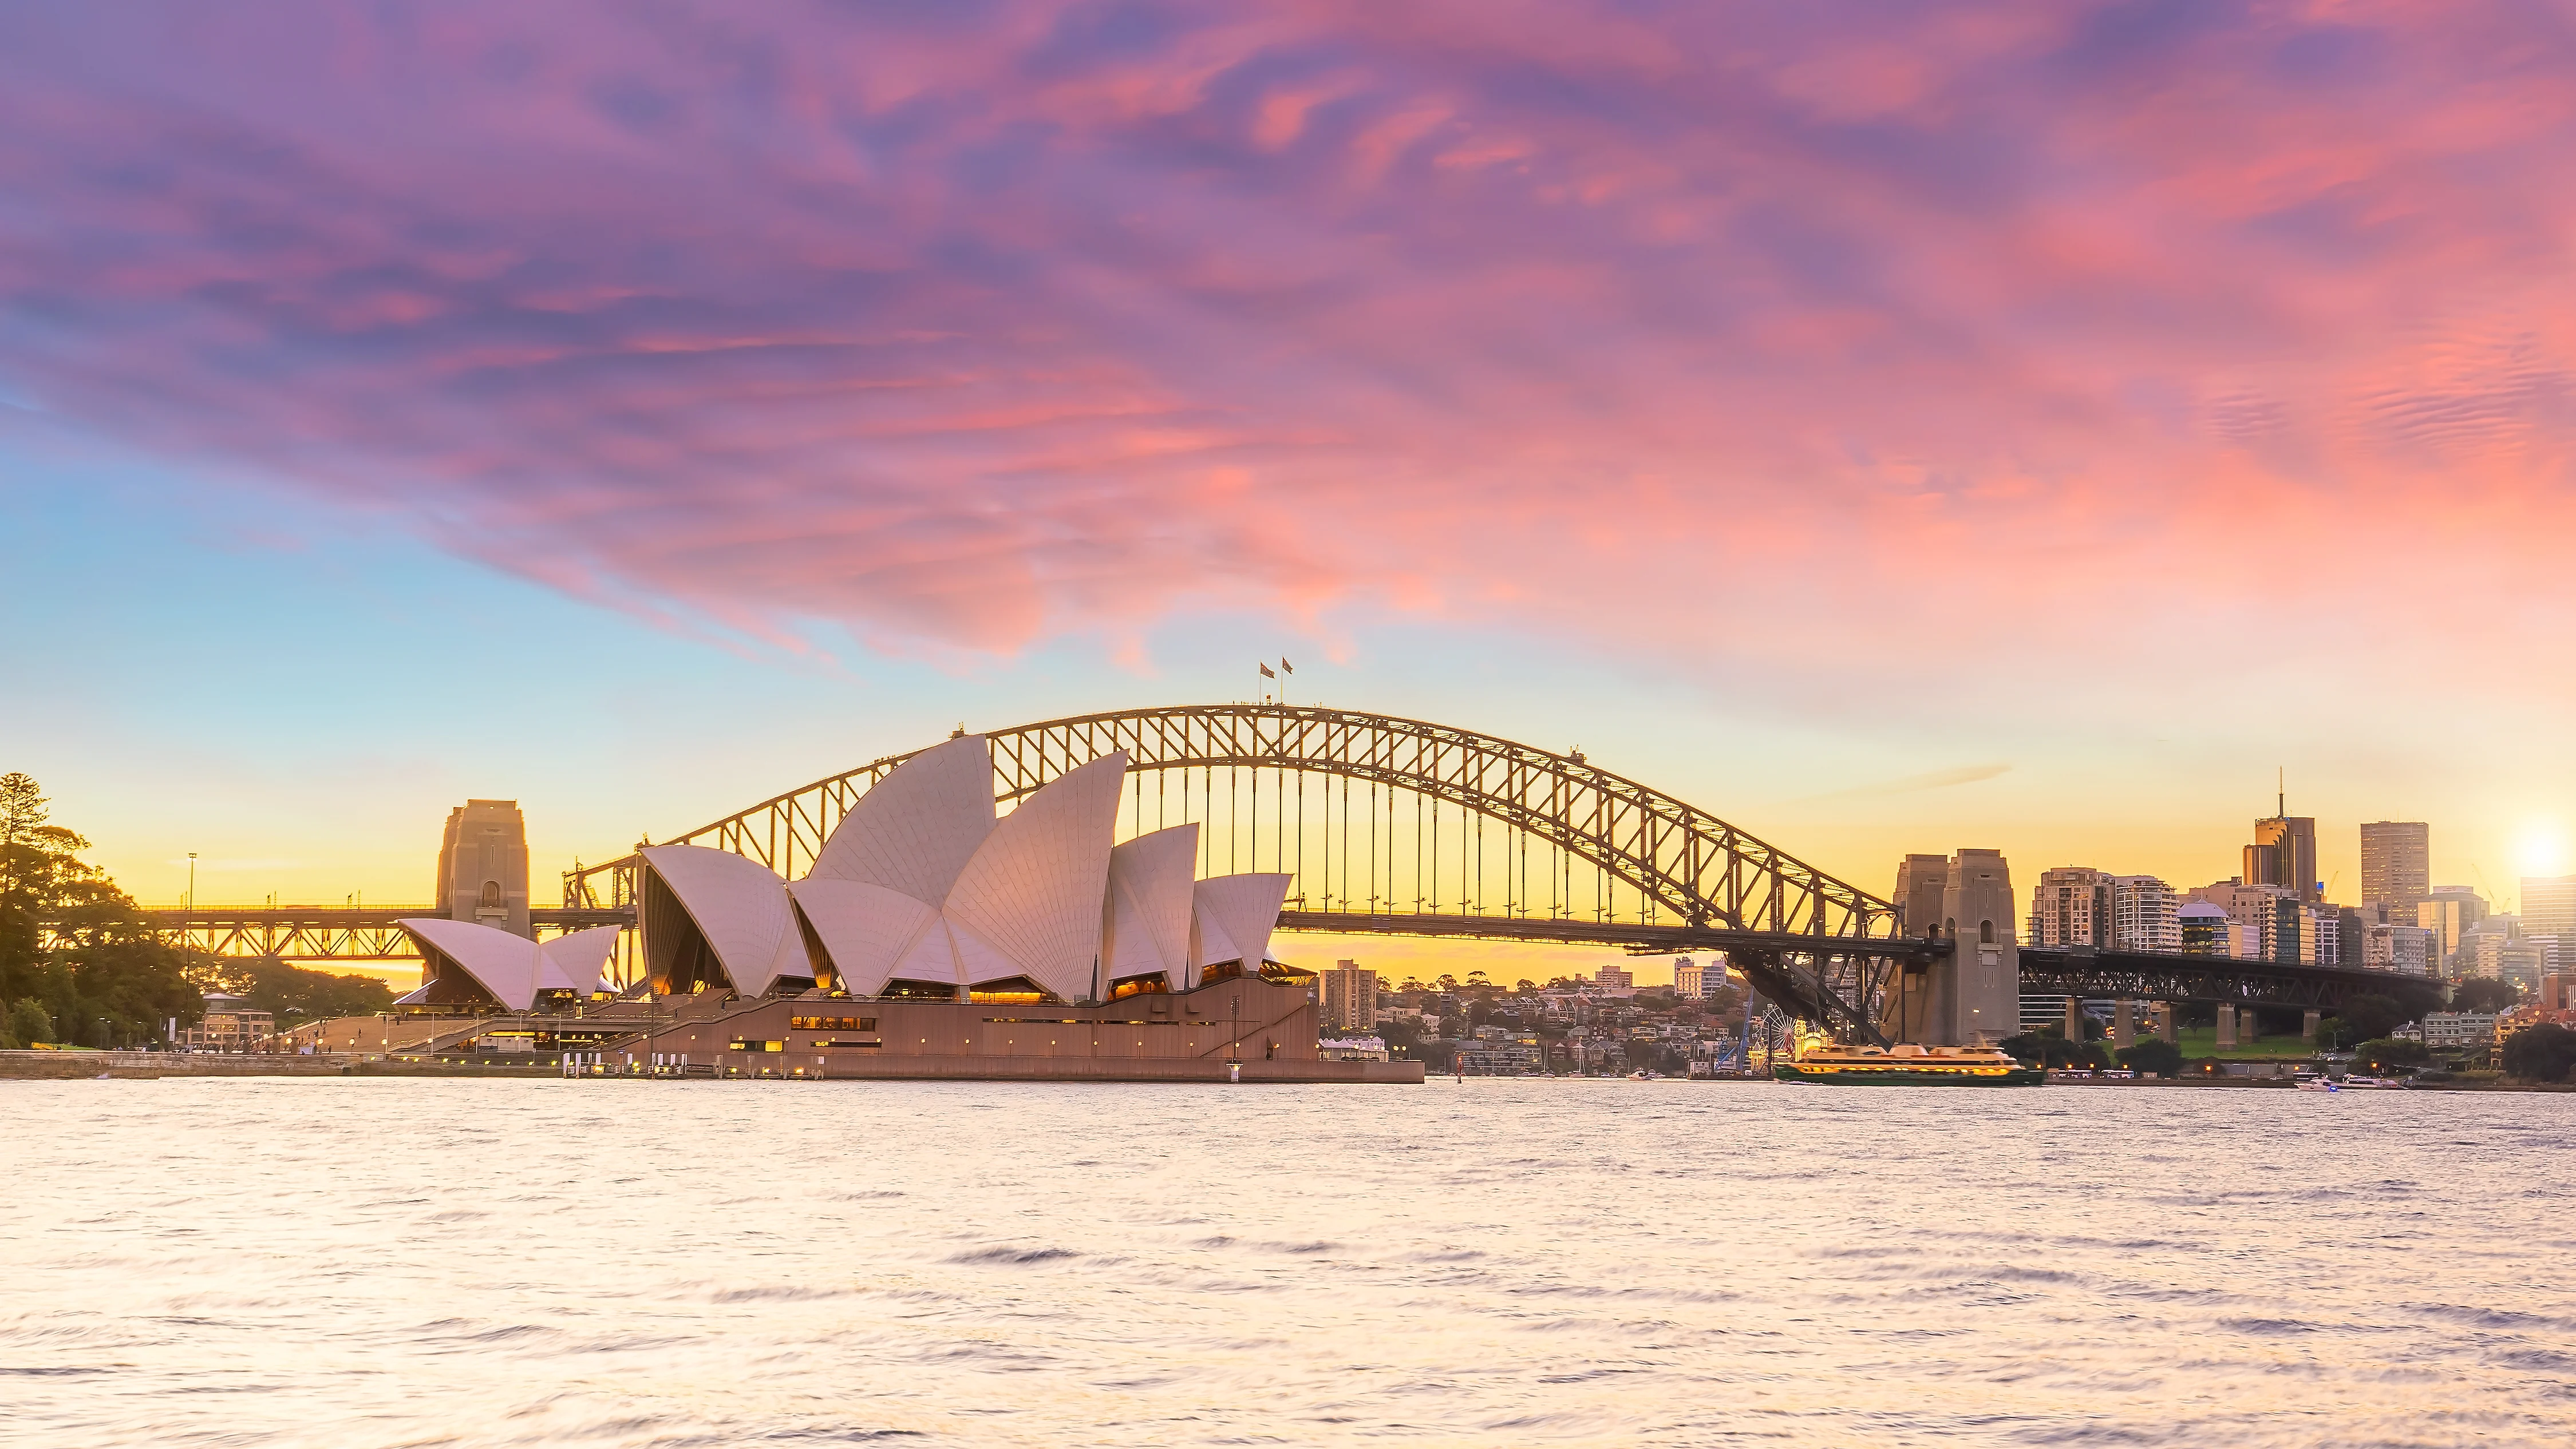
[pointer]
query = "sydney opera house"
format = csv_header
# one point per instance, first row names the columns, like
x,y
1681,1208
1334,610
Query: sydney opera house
x,y
933,937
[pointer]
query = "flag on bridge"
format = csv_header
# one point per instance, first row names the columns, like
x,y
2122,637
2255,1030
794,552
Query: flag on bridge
x,y
1284,664
1265,671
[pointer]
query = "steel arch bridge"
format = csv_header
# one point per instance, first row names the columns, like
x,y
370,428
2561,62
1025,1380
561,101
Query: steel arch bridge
x,y
1449,832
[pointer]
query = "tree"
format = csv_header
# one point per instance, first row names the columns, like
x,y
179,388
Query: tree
x,y
294,995
2379,1056
2369,1017
25,1024
2155,1054
2485,994
2543,1053
105,960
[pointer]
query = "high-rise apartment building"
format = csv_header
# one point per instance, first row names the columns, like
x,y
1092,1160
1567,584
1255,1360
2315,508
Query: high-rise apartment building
x,y
1695,982
2142,914
2204,929
2526,960
2347,931
2071,906
2396,864
2481,945
2406,949
1349,997
2549,906
2266,917
2450,913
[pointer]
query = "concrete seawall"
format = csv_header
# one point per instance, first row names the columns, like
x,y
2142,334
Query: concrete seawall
x,y
69,1066
58,1066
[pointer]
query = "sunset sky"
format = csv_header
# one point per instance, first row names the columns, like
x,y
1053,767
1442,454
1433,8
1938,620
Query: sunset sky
x,y
1891,427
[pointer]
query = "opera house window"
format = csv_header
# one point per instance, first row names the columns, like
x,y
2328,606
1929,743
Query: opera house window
x,y
833,1023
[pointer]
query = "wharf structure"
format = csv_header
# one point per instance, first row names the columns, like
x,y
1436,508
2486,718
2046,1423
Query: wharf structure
x,y
929,939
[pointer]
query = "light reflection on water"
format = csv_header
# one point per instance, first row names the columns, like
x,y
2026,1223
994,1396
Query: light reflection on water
x,y
370,1262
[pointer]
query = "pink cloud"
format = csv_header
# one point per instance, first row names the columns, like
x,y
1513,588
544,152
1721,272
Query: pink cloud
x,y
1741,332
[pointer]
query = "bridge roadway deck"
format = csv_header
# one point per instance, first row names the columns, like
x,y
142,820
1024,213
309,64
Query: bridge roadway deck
x,y
1641,938
339,933
2078,971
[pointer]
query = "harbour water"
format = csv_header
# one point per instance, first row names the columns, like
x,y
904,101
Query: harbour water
x,y
415,1263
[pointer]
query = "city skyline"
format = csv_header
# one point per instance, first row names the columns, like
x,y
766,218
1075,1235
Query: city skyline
x,y
701,441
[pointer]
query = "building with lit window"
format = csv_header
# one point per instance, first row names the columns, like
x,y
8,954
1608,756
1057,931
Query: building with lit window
x,y
2142,914
1695,982
231,1024
1349,997
2071,906
2408,950
2396,864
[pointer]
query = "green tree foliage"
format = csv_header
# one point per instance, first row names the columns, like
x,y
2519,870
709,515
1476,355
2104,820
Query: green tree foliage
x,y
2155,1054
24,1024
2369,1017
2543,1053
2485,994
2380,1056
295,995
106,962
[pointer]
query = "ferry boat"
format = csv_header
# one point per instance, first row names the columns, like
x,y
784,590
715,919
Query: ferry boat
x,y
1907,1065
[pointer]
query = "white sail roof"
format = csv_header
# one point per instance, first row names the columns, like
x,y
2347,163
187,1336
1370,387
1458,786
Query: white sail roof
x,y
914,830
574,962
741,907
501,962
1034,890
1235,916
1149,906
865,928
933,957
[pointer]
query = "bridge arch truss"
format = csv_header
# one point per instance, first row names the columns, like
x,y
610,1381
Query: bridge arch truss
x,y
1385,821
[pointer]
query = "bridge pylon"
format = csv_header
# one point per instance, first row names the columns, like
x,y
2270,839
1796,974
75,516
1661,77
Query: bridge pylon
x,y
1970,995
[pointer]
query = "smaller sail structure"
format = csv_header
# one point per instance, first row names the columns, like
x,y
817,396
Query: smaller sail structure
x,y
466,964
712,917
1148,925
863,931
1232,917
576,962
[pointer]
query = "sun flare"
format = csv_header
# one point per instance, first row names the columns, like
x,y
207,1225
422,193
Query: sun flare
x,y
2541,849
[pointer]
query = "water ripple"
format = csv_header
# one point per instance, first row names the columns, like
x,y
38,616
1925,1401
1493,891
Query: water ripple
x,y
533,1263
